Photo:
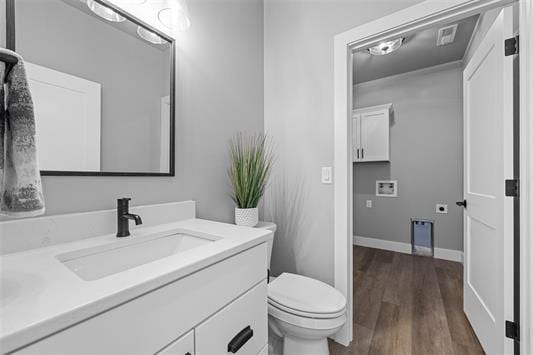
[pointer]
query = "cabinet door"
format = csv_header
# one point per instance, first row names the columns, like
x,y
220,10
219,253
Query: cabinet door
x,y
356,137
183,346
374,136
239,328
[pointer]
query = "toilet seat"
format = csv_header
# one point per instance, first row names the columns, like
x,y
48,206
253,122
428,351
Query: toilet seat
x,y
306,314
301,296
305,322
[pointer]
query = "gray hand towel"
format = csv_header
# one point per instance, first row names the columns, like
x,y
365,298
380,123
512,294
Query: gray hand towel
x,y
20,180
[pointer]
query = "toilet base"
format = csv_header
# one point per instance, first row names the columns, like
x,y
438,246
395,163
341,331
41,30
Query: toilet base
x,y
309,340
298,346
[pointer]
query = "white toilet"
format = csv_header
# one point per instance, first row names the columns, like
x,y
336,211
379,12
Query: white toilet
x,y
303,311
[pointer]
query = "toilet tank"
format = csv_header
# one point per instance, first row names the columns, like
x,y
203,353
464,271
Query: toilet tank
x,y
271,227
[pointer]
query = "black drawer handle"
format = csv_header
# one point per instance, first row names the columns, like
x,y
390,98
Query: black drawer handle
x,y
240,339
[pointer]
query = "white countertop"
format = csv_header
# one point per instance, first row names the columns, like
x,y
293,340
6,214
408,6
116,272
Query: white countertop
x,y
39,295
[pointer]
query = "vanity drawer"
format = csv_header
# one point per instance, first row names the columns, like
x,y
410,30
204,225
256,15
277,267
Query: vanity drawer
x,y
239,328
182,346
146,324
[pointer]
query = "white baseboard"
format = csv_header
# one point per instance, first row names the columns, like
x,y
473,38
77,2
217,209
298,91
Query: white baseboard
x,y
382,244
448,254
439,253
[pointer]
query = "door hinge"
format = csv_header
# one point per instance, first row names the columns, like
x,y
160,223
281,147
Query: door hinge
x,y
512,330
511,46
512,188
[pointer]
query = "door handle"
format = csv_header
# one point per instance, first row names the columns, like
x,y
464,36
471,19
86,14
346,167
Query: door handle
x,y
461,203
362,153
240,339
357,153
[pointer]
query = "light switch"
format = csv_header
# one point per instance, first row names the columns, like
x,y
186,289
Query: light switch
x,y
368,203
327,175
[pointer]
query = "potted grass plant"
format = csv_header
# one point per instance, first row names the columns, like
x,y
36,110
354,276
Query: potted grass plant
x,y
251,163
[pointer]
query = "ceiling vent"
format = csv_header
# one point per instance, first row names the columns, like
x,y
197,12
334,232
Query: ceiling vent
x,y
446,35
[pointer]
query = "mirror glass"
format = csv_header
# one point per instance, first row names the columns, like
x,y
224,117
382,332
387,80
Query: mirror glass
x,y
101,87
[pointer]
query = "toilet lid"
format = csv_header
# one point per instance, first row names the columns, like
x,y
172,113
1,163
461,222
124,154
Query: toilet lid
x,y
307,295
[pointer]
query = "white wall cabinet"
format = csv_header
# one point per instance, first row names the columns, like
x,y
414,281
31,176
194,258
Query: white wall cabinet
x,y
371,133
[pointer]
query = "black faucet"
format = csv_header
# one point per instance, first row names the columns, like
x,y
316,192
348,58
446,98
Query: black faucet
x,y
123,217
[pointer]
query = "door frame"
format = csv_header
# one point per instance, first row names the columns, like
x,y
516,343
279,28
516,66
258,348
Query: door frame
x,y
415,18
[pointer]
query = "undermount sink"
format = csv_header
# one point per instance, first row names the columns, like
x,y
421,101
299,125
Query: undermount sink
x,y
97,262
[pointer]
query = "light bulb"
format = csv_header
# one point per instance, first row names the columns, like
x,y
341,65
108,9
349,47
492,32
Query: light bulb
x,y
149,36
104,11
176,16
386,47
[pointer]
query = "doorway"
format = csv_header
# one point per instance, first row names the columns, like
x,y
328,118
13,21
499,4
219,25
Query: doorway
x,y
420,137
414,19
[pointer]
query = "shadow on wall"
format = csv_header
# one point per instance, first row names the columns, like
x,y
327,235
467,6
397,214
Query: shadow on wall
x,y
284,206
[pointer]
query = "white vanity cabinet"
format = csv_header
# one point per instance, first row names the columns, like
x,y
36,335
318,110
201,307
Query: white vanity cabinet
x,y
239,328
183,346
371,133
220,309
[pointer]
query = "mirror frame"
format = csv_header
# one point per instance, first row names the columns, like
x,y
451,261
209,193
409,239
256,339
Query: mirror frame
x,y
10,44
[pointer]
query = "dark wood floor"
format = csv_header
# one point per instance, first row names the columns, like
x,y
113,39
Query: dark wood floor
x,y
405,304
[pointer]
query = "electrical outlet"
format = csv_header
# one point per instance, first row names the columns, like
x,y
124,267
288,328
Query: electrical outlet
x,y
441,208
368,203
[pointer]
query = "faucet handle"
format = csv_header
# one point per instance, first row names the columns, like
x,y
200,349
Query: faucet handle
x,y
123,203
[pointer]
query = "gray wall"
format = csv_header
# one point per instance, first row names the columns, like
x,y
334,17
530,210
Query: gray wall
x,y
299,116
134,75
219,91
426,157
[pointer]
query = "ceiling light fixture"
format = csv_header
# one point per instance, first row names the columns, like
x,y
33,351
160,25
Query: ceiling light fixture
x,y
176,16
149,36
104,11
386,47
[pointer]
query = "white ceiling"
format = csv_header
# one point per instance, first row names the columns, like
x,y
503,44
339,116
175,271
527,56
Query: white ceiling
x,y
419,51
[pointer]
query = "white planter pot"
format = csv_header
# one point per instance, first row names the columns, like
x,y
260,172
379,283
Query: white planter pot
x,y
248,217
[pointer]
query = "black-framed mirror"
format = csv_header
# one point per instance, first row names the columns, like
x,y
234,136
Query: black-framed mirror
x,y
102,83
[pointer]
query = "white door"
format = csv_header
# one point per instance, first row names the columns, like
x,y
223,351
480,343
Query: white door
x,y
374,136
488,234
67,119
